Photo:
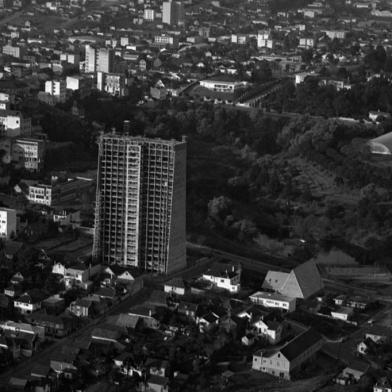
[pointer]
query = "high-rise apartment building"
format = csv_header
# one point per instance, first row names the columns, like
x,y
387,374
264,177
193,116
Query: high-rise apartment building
x,y
140,205
104,61
90,58
173,13
98,59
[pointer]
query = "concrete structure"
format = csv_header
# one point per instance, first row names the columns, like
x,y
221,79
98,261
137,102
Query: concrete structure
x,y
29,153
302,282
104,60
149,14
112,83
140,203
165,40
90,59
284,361
7,222
173,13
273,300
57,89
40,194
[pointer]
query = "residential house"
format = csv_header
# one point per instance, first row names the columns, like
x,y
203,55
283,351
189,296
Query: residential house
x,y
81,307
147,314
284,361
188,309
158,384
28,302
175,286
224,276
54,325
208,321
342,313
64,359
358,303
353,373
268,329
378,334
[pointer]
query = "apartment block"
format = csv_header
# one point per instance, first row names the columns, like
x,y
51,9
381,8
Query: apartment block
x,y
57,89
29,153
140,203
112,83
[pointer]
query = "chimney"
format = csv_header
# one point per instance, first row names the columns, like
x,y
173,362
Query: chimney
x,y
150,313
184,138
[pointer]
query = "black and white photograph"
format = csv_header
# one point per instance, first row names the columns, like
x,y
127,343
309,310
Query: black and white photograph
x,y
195,195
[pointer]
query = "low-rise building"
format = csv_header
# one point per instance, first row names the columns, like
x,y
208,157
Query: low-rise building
x,y
273,300
224,276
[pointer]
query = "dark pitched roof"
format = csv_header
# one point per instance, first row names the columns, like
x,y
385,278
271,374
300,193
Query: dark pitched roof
x,y
300,343
176,282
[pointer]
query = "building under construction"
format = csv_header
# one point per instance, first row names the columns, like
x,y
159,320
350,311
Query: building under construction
x,y
140,204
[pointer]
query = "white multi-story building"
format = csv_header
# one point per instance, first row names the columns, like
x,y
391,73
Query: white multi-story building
x,y
7,222
104,61
14,51
40,194
111,83
14,124
264,40
57,89
71,58
173,13
164,40
306,43
149,14
29,153
273,300
90,59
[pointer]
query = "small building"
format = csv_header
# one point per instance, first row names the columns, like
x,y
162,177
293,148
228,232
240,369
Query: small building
x,y
224,276
175,286
273,300
342,313
352,374
28,302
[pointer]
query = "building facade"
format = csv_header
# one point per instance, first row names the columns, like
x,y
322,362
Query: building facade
x,y
140,203
7,222
173,13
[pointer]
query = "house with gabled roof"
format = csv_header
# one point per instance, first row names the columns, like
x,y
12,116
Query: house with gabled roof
x,y
175,286
302,282
224,276
283,362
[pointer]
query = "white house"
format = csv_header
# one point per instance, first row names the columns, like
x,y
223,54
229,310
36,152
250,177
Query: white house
x,y
342,313
175,286
273,300
27,303
224,276
269,329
